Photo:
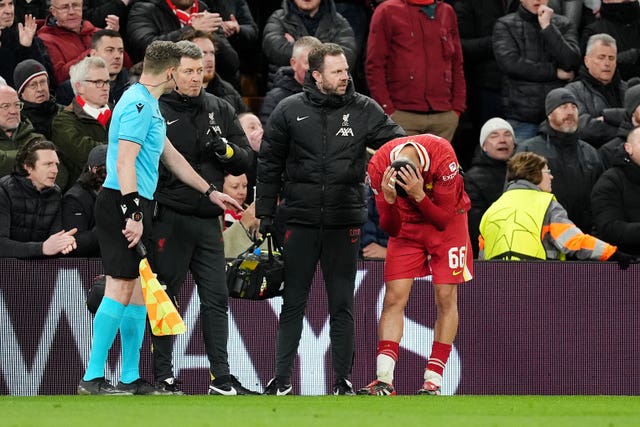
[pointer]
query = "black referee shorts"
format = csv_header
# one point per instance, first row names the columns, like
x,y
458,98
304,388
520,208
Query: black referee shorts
x,y
118,260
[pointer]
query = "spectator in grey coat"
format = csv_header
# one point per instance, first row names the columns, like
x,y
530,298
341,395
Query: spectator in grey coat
x,y
599,91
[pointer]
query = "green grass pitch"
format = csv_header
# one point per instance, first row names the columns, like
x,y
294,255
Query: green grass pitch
x,y
325,411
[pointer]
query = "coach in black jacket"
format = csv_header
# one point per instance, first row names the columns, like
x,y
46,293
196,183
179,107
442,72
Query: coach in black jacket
x,y
186,231
313,158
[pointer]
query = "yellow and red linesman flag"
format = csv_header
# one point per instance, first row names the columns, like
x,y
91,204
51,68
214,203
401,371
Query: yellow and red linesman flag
x,y
163,316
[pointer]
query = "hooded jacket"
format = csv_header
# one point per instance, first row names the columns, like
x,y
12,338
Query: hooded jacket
x,y
314,157
189,119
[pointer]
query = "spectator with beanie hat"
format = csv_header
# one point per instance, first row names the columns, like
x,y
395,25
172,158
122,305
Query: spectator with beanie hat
x,y
31,79
613,153
575,164
484,181
78,203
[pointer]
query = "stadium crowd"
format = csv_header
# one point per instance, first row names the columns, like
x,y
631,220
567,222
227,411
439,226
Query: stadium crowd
x,y
558,78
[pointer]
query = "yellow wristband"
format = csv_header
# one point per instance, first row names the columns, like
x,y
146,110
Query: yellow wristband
x,y
229,152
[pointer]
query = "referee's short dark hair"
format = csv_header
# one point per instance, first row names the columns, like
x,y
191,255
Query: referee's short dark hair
x,y
160,55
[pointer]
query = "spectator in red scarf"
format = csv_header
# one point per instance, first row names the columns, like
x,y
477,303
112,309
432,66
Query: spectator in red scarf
x,y
83,124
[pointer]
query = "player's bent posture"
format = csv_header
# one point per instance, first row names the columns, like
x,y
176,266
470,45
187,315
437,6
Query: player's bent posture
x,y
423,207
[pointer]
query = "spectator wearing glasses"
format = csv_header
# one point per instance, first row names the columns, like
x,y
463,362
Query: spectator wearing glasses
x,y
108,45
84,123
18,41
32,83
16,131
67,35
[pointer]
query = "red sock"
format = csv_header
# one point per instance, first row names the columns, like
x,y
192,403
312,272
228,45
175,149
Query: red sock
x,y
388,348
439,356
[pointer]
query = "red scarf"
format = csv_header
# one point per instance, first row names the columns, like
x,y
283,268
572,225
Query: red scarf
x,y
102,115
421,2
184,17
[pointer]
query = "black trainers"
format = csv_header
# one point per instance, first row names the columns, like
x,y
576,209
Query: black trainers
x,y
343,387
100,386
142,387
277,388
171,385
228,385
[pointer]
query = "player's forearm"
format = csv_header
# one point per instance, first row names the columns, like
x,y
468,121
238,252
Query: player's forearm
x,y
433,213
389,220
126,169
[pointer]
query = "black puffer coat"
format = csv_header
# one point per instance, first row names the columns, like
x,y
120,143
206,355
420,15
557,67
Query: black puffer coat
x,y
314,157
530,58
28,216
615,202
332,28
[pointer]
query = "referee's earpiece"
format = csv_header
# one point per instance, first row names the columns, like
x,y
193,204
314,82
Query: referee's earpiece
x,y
175,82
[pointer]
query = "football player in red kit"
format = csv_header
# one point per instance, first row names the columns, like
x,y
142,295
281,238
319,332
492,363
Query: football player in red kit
x,y
423,207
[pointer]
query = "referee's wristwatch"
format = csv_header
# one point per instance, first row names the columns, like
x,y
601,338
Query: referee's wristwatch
x,y
137,216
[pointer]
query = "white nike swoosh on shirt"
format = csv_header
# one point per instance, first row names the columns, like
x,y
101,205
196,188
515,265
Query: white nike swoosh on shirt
x,y
301,118
172,122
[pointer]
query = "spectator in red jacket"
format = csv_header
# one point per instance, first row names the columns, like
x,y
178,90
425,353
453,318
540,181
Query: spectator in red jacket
x,y
67,35
414,65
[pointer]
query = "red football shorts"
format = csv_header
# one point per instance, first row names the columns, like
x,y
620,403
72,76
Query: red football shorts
x,y
420,249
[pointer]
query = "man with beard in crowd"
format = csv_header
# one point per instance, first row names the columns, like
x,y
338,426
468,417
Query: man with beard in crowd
x,y
575,164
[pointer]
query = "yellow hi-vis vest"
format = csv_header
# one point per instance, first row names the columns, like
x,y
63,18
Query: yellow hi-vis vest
x,y
512,226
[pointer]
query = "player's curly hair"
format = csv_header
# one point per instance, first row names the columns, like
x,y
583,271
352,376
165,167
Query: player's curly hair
x,y
526,165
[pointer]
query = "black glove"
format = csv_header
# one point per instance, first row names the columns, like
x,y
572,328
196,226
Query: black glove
x,y
217,145
266,226
623,259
